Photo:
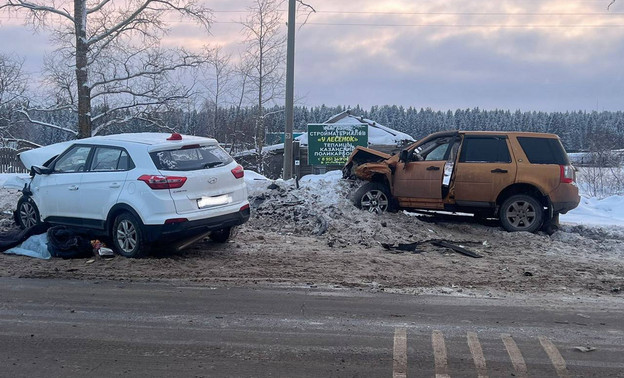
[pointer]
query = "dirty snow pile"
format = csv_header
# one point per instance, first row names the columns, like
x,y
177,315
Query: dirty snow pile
x,y
321,206
311,209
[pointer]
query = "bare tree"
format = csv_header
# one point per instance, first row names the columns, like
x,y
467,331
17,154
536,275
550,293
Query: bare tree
x,y
112,49
242,70
218,80
12,80
265,52
12,88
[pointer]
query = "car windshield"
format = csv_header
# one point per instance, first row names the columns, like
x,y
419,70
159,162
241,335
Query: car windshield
x,y
191,158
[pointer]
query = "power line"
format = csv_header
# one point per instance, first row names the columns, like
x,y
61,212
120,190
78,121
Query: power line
x,y
602,14
464,25
479,13
454,25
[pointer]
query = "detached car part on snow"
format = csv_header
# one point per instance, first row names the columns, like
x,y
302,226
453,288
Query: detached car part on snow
x,y
524,179
137,189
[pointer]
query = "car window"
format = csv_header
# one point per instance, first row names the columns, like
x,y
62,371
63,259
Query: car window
x,y
74,160
438,152
432,150
544,150
485,149
191,158
110,159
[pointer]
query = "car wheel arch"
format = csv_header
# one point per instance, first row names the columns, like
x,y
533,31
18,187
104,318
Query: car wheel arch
x,y
382,179
118,209
523,188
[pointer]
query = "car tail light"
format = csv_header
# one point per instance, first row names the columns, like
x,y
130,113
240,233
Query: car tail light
x,y
567,174
244,207
163,182
238,172
176,220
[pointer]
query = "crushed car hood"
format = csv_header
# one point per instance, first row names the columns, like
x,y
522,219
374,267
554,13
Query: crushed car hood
x,y
362,155
364,159
40,155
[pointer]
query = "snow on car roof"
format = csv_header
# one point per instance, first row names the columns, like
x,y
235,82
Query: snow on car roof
x,y
38,156
149,138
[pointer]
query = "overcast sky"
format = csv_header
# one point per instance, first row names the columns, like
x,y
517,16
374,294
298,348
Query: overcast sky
x,y
551,55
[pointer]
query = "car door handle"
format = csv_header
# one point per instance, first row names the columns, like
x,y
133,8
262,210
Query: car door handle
x,y
114,185
498,170
73,187
432,168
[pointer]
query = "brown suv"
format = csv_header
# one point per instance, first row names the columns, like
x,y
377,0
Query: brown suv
x,y
524,179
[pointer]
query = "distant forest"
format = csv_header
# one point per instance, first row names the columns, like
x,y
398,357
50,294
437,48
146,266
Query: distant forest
x,y
579,131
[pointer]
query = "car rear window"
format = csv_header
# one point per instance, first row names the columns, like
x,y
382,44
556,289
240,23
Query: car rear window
x,y
544,150
191,158
485,149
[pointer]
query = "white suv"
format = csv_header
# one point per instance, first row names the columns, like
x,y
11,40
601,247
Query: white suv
x,y
136,189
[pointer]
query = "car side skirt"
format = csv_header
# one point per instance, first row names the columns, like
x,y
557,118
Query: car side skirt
x,y
93,224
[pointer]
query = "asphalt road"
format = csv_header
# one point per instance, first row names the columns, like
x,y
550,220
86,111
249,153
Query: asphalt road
x,y
56,328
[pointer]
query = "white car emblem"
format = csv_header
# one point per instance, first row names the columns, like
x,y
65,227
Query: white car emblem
x,y
212,180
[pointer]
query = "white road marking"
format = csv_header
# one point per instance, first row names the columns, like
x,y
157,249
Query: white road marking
x,y
516,356
439,354
399,356
555,357
477,354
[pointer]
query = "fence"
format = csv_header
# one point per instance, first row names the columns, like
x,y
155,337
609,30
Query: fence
x,y
9,162
9,151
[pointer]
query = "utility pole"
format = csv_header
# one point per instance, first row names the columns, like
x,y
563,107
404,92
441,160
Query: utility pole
x,y
290,91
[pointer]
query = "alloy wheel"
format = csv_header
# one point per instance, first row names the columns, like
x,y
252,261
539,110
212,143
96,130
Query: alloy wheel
x,y
521,214
28,215
375,201
127,236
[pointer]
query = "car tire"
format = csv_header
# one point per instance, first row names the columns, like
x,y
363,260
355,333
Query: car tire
x,y
27,213
521,212
374,197
128,236
221,235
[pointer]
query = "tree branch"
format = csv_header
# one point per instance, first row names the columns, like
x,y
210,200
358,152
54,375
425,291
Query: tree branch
x,y
200,13
98,7
36,8
310,11
24,112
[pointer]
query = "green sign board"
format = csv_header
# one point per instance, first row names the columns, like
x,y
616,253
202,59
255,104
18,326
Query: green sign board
x,y
330,144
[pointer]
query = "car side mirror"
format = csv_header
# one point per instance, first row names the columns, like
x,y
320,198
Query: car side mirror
x,y
39,170
404,155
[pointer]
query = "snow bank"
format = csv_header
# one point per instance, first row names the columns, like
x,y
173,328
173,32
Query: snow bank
x,y
597,212
325,185
14,180
325,188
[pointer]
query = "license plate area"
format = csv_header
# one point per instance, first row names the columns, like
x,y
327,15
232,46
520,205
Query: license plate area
x,y
221,200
